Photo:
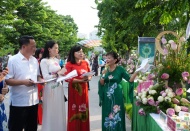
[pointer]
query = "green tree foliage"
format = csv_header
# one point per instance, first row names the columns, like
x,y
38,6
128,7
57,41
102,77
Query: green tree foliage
x,y
34,17
121,24
122,21
173,14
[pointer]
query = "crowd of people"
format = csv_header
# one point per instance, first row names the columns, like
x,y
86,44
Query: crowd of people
x,y
34,102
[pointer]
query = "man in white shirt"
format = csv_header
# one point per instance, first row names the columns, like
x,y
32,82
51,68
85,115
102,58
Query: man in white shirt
x,y
23,72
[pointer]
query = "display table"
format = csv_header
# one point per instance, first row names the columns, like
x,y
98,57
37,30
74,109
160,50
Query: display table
x,y
150,122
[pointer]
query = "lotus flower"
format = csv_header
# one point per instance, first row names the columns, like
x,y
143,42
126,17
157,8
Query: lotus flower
x,y
116,108
151,76
170,41
185,101
182,39
165,76
185,78
144,101
168,90
175,101
157,103
138,103
184,108
179,91
160,98
177,108
164,94
151,102
168,99
152,92
171,94
173,46
111,116
164,41
141,112
185,74
165,51
170,111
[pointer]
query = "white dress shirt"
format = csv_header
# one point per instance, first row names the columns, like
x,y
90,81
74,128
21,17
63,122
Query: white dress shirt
x,y
20,69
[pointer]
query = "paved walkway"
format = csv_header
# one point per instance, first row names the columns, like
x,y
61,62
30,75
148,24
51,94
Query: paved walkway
x,y
95,110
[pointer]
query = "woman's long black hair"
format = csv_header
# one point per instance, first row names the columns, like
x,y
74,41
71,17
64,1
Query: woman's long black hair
x,y
48,45
71,57
38,52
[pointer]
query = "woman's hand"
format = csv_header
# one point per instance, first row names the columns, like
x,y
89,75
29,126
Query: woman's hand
x,y
28,82
1,98
102,81
87,78
5,89
3,74
62,72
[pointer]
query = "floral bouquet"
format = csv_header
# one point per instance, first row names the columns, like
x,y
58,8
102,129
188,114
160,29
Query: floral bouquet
x,y
166,88
174,61
160,97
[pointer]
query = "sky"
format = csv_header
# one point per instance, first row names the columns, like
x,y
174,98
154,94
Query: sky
x,y
80,10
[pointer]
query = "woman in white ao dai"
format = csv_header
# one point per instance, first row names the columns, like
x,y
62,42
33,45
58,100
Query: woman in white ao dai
x,y
54,114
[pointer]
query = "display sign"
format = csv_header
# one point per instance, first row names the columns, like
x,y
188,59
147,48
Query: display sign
x,y
146,48
171,124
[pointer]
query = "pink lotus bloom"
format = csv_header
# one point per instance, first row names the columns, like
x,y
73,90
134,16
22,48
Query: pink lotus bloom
x,y
141,112
185,101
151,102
162,92
116,108
157,103
164,41
151,76
179,91
185,74
170,111
138,103
173,46
175,101
185,78
184,108
165,76
111,116
165,51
